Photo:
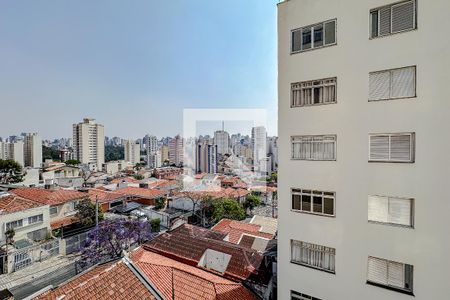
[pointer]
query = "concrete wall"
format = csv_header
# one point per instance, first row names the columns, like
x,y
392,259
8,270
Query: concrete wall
x,y
352,118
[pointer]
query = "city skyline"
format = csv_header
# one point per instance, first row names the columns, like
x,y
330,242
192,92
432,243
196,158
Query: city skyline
x,y
138,75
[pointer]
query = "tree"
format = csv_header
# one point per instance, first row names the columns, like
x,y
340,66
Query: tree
x,y
160,203
252,201
10,172
114,153
138,176
111,238
86,212
155,224
226,208
72,162
50,153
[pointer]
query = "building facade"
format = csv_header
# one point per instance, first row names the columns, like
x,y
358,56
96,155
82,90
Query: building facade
x,y
12,151
206,158
89,142
32,150
132,152
363,149
222,140
176,150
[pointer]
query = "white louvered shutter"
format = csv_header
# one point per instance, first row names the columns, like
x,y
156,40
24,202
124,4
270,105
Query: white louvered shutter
x,y
379,147
396,274
403,17
379,85
377,270
403,82
400,211
385,21
378,208
401,148
295,251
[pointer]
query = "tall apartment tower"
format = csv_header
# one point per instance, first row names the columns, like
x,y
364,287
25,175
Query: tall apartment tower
x,y
12,151
222,140
32,150
259,143
132,152
206,157
89,142
364,144
176,150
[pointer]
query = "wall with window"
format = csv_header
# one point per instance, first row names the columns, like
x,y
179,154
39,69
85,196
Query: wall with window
x,y
25,222
63,210
394,89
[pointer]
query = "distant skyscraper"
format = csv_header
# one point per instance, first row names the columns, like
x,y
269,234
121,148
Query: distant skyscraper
x,y
89,142
132,152
153,157
176,150
222,140
259,139
164,153
12,151
32,150
206,158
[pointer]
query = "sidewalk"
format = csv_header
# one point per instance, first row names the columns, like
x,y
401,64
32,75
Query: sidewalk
x,y
34,271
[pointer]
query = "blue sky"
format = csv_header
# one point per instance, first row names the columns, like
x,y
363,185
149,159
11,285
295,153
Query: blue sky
x,y
133,65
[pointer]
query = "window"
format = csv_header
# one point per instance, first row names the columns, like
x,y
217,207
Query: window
x,y
53,210
314,147
394,18
35,219
14,224
300,296
314,92
314,36
390,274
392,84
391,210
312,255
391,147
73,205
316,202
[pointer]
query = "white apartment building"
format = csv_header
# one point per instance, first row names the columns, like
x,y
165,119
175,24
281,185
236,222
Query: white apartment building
x,y
364,123
206,157
222,140
32,150
154,160
259,143
132,152
89,142
12,151
176,150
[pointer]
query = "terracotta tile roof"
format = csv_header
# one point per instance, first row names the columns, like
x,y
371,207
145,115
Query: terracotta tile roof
x,y
141,192
236,230
103,196
50,197
12,203
108,281
176,280
63,222
263,189
268,224
199,176
125,179
184,245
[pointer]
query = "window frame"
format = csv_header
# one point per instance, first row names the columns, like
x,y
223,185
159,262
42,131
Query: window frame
x,y
391,287
312,87
302,296
50,211
412,147
311,26
311,193
39,218
314,136
390,6
326,250
412,212
390,83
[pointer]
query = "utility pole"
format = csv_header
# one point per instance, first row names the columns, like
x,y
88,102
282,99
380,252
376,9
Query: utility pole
x,y
96,211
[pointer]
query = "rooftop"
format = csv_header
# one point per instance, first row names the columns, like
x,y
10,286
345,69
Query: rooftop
x,y
50,197
103,195
176,280
11,203
141,192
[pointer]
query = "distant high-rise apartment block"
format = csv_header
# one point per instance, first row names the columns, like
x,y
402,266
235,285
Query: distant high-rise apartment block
x,y
12,151
32,150
206,157
363,149
164,153
89,142
176,150
222,140
132,152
